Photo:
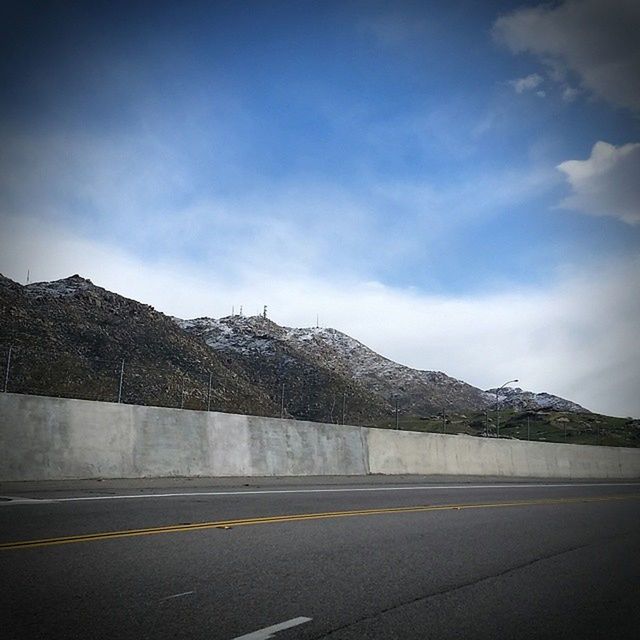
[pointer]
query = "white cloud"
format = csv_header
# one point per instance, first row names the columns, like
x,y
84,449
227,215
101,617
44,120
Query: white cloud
x,y
134,192
607,183
576,338
527,83
569,94
595,39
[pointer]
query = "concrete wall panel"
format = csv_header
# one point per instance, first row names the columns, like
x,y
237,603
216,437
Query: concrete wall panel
x,y
229,445
297,448
393,452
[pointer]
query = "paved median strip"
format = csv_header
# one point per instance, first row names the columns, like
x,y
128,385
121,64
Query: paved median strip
x,y
228,524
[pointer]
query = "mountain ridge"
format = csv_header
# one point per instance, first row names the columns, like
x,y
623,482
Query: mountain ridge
x,y
417,391
314,373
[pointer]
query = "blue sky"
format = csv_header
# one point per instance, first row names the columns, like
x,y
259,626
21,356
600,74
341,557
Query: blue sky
x,y
360,160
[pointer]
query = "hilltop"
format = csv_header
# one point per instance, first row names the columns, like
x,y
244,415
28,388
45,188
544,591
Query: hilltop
x,y
259,343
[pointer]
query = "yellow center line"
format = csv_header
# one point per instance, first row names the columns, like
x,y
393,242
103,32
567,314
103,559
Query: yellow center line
x,y
128,533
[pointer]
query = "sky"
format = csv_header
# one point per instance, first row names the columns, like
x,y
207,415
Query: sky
x,y
457,185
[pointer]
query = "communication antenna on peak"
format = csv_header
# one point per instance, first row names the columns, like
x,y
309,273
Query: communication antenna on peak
x,y
28,275
264,312
317,320
241,311
233,310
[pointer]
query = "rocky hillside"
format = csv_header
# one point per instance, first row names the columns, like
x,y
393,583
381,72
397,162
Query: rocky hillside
x,y
70,337
258,341
310,385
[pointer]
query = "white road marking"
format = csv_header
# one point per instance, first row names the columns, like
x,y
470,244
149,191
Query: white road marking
x,y
269,632
177,595
186,494
7,501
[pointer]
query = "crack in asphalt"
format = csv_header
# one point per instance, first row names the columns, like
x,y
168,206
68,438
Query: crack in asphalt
x,y
471,583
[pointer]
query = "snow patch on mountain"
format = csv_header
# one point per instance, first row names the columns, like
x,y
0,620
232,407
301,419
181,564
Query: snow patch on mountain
x,y
417,391
64,288
517,398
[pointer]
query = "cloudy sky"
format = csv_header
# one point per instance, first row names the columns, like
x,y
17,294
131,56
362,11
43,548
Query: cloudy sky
x,y
455,184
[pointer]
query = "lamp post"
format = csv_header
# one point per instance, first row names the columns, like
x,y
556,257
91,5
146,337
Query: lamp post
x,y
497,409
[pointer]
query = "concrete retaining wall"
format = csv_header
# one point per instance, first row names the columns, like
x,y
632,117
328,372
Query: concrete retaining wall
x,y
53,438
398,452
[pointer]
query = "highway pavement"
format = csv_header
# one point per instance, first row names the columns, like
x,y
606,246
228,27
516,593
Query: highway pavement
x,y
312,558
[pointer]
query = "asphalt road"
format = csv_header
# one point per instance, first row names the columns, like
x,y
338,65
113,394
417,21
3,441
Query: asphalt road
x,y
317,558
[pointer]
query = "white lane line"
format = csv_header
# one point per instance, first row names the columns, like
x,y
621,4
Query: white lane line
x,y
177,595
269,632
187,494
6,501
339,490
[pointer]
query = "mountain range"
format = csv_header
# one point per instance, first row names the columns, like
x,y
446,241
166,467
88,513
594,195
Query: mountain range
x,y
72,338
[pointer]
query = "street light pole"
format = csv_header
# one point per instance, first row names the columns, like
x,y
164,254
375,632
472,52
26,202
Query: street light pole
x,y
120,383
6,374
497,409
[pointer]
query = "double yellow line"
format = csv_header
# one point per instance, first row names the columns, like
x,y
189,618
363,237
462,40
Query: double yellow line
x,y
228,524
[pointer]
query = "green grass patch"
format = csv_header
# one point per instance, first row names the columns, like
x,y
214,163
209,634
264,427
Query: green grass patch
x,y
536,426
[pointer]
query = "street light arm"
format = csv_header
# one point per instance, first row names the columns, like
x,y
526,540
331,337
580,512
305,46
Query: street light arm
x,y
506,383
497,405
503,386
